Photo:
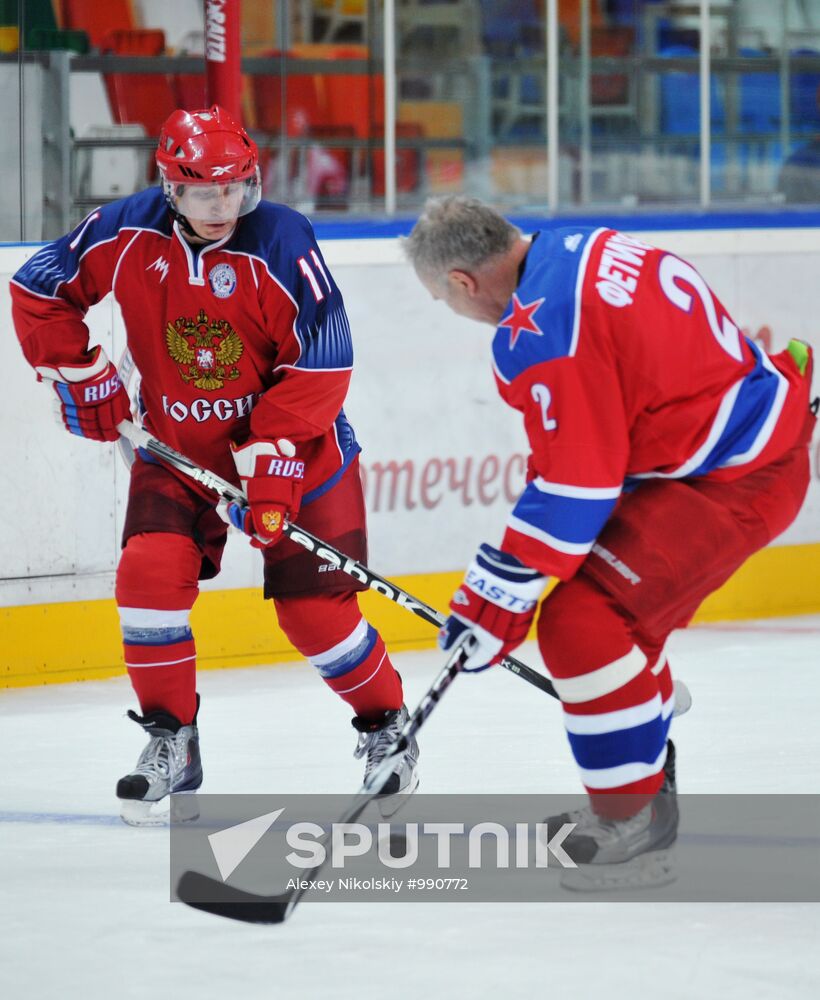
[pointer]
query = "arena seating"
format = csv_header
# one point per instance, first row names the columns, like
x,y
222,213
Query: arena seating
x,y
98,18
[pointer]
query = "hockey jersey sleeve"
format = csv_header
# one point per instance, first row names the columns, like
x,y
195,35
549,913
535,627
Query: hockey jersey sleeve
x,y
54,289
574,419
315,353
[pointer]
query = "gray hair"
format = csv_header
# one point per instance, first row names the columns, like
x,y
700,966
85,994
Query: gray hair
x,y
457,232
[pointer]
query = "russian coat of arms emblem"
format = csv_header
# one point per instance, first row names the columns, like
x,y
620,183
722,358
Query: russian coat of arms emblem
x,y
206,351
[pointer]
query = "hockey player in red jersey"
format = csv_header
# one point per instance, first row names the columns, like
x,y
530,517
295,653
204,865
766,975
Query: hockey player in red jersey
x,y
666,448
243,346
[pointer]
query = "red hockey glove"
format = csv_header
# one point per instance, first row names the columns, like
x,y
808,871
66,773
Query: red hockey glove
x,y
496,603
92,398
273,480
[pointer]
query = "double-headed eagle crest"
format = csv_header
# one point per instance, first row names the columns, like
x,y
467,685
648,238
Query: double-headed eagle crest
x,y
205,350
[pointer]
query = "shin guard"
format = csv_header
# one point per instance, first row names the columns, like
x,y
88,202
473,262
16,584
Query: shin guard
x,y
348,653
613,709
156,588
369,684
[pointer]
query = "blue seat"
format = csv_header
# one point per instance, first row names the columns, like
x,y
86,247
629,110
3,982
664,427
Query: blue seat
x,y
759,98
680,111
803,95
758,116
680,97
510,30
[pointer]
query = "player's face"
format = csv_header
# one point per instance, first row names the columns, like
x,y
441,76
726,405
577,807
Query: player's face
x,y
461,297
212,209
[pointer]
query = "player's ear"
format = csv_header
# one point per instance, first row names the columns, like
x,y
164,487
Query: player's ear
x,y
464,279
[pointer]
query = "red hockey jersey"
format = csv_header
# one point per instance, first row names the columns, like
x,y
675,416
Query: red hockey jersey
x,y
626,366
244,337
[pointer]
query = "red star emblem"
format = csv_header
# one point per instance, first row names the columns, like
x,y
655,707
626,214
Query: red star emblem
x,y
520,320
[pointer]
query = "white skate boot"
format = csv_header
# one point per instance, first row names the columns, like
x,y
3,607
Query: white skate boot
x,y
169,763
375,739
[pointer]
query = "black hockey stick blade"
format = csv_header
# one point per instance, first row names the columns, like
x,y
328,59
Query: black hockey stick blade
x,y
211,895
200,892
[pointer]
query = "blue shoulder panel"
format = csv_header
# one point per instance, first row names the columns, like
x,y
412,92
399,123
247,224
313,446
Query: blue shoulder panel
x,y
273,232
58,261
539,323
284,239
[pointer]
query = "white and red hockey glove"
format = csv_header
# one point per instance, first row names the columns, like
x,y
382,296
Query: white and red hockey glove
x,y
92,397
496,603
272,479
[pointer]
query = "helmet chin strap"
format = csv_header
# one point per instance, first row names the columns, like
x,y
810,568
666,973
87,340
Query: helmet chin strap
x,y
187,229
184,224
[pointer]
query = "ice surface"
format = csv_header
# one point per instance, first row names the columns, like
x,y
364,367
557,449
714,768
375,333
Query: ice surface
x,y
84,908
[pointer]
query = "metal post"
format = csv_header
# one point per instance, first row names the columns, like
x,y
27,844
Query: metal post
x,y
389,107
56,146
552,104
585,104
222,55
283,43
705,122
478,127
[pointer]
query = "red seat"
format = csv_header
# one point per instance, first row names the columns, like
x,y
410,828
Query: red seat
x,y
189,91
145,99
324,170
358,100
97,17
328,107
134,42
303,103
349,99
355,102
610,88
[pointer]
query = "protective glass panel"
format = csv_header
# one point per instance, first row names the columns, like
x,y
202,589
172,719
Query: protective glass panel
x,y
513,47
316,101
630,132
89,89
766,70
20,214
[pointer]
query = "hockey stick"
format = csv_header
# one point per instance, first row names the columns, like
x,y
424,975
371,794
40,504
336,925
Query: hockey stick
x,y
213,896
140,438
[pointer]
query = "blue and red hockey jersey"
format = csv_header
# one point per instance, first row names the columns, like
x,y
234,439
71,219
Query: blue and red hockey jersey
x,y
626,366
244,337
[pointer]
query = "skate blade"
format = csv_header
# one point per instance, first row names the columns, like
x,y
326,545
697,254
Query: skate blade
x,y
182,808
136,812
683,699
647,871
389,805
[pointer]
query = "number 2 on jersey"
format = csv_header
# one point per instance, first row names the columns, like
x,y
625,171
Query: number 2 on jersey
x,y
541,394
672,270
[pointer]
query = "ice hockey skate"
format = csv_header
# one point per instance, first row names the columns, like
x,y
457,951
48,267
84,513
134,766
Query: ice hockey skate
x,y
623,854
169,763
375,739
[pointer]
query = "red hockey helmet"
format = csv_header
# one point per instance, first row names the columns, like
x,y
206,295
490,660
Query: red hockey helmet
x,y
209,165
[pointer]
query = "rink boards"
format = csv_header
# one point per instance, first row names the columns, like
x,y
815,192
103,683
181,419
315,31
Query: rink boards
x,y
442,458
